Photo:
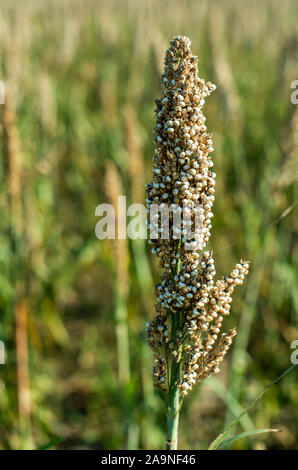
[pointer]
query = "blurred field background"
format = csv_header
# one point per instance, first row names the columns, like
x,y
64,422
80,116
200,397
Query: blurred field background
x,y
76,130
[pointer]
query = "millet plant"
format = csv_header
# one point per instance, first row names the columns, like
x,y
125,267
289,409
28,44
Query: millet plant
x,y
190,304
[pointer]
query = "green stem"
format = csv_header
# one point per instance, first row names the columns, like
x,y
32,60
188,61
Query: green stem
x,y
173,421
173,407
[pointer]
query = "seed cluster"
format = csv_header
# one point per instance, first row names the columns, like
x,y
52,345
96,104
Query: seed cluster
x,y
184,182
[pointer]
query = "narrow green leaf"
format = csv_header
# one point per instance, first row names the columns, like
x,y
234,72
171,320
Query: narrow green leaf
x,y
230,401
215,444
245,434
51,444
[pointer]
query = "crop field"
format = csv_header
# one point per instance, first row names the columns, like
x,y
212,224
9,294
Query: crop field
x,y
80,83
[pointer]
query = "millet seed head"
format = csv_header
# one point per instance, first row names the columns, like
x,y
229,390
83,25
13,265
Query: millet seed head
x,y
183,178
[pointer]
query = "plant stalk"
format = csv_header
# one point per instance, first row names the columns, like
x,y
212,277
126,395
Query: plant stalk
x,y
173,408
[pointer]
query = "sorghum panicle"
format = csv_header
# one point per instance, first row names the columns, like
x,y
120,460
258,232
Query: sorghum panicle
x,y
183,177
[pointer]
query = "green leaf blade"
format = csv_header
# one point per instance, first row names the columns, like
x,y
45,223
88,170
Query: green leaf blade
x,y
245,434
221,437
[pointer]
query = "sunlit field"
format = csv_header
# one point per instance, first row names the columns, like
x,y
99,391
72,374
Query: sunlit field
x,y
81,79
